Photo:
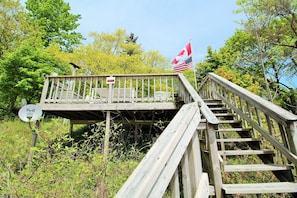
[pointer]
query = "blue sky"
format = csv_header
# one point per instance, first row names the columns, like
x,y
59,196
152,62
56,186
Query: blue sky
x,y
162,25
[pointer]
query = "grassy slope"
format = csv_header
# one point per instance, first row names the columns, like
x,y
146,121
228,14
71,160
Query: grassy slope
x,y
60,167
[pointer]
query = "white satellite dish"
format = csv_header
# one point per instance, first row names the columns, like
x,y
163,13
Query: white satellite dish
x,y
29,113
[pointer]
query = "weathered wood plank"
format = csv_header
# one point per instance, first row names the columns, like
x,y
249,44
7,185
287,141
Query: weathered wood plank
x,y
175,158
186,175
234,129
258,188
164,156
245,152
188,89
214,159
255,167
105,106
174,185
274,111
239,140
203,187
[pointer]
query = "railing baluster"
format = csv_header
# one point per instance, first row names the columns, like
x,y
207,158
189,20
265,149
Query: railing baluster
x,y
186,176
172,90
174,185
154,89
142,89
136,91
56,97
51,92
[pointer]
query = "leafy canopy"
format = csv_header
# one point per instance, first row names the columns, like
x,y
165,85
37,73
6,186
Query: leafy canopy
x,y
23,72
56,22
112,54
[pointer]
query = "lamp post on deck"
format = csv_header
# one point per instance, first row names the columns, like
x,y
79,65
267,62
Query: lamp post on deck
x,y
75,67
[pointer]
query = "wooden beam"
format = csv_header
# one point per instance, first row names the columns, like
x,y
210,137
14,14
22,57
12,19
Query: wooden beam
x,y
108,107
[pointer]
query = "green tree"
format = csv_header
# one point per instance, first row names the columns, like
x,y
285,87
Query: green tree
x,y
55,21
22,75
108,55
132,41
273,24
234,61
210,64
155,60
14,26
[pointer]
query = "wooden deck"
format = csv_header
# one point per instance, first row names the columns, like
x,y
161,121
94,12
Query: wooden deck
x,y
85,98
85,112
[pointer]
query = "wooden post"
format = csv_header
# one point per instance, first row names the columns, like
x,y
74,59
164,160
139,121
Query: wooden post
x,y
214,158
44,90
293,137
174,184
107,126
195,161
107,134
71,128
186,175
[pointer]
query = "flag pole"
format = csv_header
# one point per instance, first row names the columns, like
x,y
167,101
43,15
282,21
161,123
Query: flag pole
x,y
195,81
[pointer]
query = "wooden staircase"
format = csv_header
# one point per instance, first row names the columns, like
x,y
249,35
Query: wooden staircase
x,y
248,166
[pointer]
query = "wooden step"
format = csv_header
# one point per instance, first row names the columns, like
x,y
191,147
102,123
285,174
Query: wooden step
x,y
234,129
218,108
255,167
225,121
223,114
246,152
229,121
260,188
211,190
239,140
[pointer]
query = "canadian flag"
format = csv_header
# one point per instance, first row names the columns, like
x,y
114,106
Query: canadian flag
x,y
187,51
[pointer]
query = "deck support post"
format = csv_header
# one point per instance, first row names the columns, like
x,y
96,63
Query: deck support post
x,y
107,134
107,125
71,128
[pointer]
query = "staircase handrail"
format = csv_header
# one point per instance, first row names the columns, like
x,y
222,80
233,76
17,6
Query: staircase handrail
x,y
286,120
274,111
177,145
189,94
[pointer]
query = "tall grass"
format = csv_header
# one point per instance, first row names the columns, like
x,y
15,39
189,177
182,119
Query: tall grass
x,y
61,166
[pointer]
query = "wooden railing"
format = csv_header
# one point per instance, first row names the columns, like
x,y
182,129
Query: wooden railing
x,y
95,89
276,126
188,94
176,154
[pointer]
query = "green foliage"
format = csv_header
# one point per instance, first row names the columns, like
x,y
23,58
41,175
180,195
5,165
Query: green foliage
x,y
14,27
108,55
61,166
55,21
22,74
211,63
272,24
261,55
